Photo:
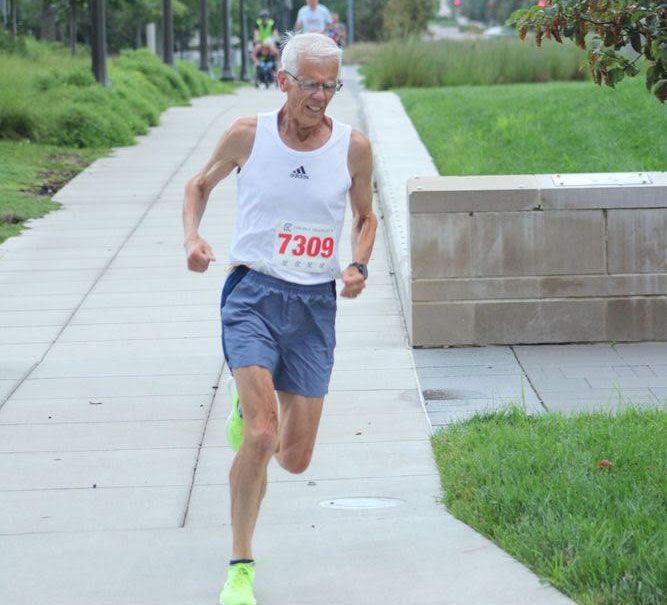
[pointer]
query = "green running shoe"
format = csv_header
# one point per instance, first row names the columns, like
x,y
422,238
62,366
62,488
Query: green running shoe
x,y
238,587
235,419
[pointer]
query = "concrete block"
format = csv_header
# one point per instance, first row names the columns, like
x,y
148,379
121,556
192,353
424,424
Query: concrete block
x,y
645,195
475,288
472,193
537,243
637,240
440,245
636,319
538,321
435,324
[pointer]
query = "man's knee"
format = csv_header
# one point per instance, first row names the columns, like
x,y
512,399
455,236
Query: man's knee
x,y
295,461
262,441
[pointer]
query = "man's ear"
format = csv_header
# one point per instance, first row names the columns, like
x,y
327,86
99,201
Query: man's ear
x,y
281,76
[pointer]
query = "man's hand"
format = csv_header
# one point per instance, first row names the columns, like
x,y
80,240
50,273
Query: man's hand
x,y
354,282
199,254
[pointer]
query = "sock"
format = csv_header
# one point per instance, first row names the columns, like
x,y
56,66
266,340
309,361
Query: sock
x,y
235,561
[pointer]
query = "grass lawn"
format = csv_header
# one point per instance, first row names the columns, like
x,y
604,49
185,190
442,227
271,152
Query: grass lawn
x,y
29,175
540,128
535,486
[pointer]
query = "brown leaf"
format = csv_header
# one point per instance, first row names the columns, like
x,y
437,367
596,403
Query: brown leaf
x,y
605,464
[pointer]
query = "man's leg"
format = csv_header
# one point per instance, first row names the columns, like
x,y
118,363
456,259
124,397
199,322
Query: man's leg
x,y
247,476
299,421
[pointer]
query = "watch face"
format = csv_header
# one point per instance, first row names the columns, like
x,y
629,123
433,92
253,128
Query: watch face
x,y
362,269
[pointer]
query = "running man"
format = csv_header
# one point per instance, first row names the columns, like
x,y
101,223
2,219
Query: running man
x,y
313,17
295,168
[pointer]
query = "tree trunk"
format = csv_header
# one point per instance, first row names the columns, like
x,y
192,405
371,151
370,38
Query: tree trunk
x,y
12,18
72,26
48,21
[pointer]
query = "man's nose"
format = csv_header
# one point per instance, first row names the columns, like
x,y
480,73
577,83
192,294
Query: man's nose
x,y
319,93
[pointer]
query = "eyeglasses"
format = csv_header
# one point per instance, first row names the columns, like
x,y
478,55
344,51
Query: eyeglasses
x,y
311,86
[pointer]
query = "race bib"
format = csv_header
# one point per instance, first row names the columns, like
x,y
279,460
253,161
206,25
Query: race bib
x,y
304,246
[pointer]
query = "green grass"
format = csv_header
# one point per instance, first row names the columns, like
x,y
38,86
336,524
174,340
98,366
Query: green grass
x,y
540,128
504,60
50,104
29,176
533,486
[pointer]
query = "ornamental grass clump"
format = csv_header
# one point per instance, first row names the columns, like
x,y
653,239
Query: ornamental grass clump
x,y
417,63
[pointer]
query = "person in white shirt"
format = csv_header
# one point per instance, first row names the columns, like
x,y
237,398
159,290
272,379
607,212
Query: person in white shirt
x,y
313,17
296,168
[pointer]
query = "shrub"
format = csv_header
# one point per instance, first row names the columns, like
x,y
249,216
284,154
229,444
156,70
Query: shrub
x,y
192,78
417,63
17,123
406,17
166,79
80,125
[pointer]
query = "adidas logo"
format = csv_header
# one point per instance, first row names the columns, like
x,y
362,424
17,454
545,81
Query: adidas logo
x,y
299,173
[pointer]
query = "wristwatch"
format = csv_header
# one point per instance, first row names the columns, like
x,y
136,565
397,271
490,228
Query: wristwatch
x,y
363,269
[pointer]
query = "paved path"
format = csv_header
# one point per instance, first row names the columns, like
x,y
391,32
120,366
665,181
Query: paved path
x,y
113,462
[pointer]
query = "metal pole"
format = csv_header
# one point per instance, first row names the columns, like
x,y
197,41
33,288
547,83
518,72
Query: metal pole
x,y
98,40
167,33
244,42
350,22
227,73
203,35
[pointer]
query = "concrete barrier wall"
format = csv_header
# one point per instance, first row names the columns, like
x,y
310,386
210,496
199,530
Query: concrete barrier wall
x,y
522,259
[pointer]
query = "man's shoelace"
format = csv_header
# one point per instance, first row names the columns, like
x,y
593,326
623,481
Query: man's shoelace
x,y
240,578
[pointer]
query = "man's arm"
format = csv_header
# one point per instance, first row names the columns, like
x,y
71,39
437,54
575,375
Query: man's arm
x,y
364,221
231,152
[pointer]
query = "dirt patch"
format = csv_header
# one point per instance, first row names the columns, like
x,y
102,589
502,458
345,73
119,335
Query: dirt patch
x,y
51,182
11,218
70,158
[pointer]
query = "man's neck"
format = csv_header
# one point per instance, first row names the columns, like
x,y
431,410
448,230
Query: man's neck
x,y
292,130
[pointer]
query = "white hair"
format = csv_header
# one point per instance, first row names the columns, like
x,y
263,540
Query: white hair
x,y
314,46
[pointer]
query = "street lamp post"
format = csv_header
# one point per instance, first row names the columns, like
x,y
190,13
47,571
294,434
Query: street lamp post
x,y
227,73
350,21
244,42
203,35
98,40
167,33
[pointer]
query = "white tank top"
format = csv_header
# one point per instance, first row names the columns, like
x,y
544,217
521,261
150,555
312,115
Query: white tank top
x,y
291,205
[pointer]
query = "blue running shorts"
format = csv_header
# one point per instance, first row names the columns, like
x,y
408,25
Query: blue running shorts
x,y
285,327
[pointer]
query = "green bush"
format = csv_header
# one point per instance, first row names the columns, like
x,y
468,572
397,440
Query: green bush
x,y
166,79
17,123
82,125
191,76
48,96
416,63
403,18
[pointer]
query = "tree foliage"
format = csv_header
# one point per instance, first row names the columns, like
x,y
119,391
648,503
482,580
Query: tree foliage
x,y
403,18
610,30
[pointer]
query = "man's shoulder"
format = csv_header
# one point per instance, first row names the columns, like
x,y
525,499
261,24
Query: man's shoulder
x,y
359,152
243,127
240,136
359,143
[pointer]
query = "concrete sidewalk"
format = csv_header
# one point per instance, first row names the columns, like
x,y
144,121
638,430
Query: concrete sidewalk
x,y
113,463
